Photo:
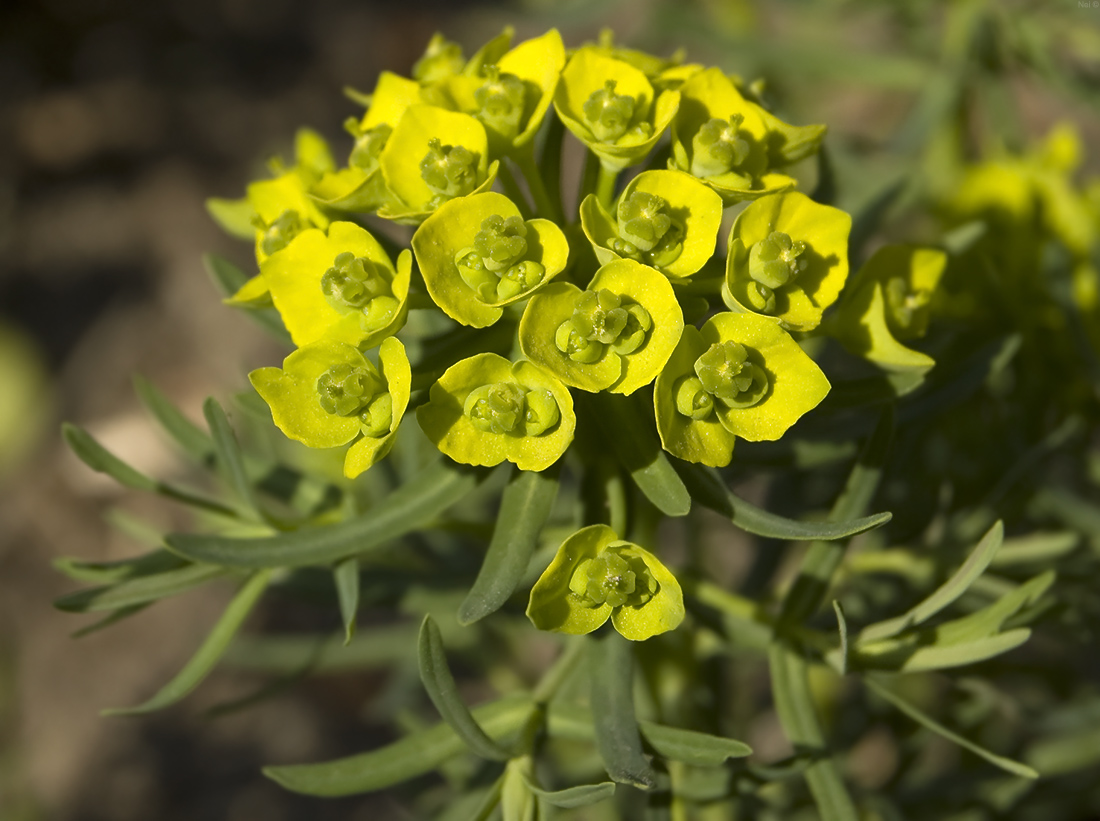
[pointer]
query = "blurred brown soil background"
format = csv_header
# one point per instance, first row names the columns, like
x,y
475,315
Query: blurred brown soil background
x,y
117,119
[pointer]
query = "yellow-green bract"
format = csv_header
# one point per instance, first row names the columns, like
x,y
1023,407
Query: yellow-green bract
x,y
890,303
485,410
328,394
612,107
666,219
788,259
596,576
340,287
458,229
741,375
616,335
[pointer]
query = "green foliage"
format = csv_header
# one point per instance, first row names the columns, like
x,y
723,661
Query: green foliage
x,y
686,338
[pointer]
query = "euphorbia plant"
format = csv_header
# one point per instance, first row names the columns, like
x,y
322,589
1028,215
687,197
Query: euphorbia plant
x,y
614,353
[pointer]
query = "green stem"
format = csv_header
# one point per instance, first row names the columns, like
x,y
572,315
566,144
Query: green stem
x,y
551,161
605,185
559,672
512,189
589,177
545,205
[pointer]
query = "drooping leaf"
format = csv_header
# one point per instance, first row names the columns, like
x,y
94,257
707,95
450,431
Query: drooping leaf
x,y
204,660
571,798
346,576
140,590
524,508
147,564
99,459
406,758
440,684
708,489
413,505
611,667
877,685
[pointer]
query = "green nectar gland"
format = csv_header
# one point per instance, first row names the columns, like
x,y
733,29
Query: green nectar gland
x,y
601,320
350,390
449,170
358,284
718,147
368,144
773,262
613,579
906,307
726,373
692,398
647,232
607,114
278,234
500,101
494,266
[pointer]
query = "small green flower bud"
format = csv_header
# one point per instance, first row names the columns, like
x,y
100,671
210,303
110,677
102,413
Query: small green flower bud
x,y
501,101
441,59
575,344
449,170
718,147
368,144
542,412
278,234
725,372
345,390
692,398
519,278
906,307
774,260
497,408
358,284
613,579
608,114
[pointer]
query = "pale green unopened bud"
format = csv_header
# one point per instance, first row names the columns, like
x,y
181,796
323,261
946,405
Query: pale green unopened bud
x,y
718,147
368,144
613,579
278,234
726,373
500,101
906,308
608,114
449,170
344,390
774,261
542,412
497,408
692,398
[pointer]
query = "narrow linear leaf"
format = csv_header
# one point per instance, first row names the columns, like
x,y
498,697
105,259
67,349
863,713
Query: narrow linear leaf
x,y
147,564
877,686
708,489
633,440
573,797
412,506
440,684
101,460
574,722
228,279
1071,752
957,655
141,590
346,576
228,451
406,758
990,619
203,662
842,626
525,507
279,655
611,666
794,704
108,620
1036,548
975,564
194,441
